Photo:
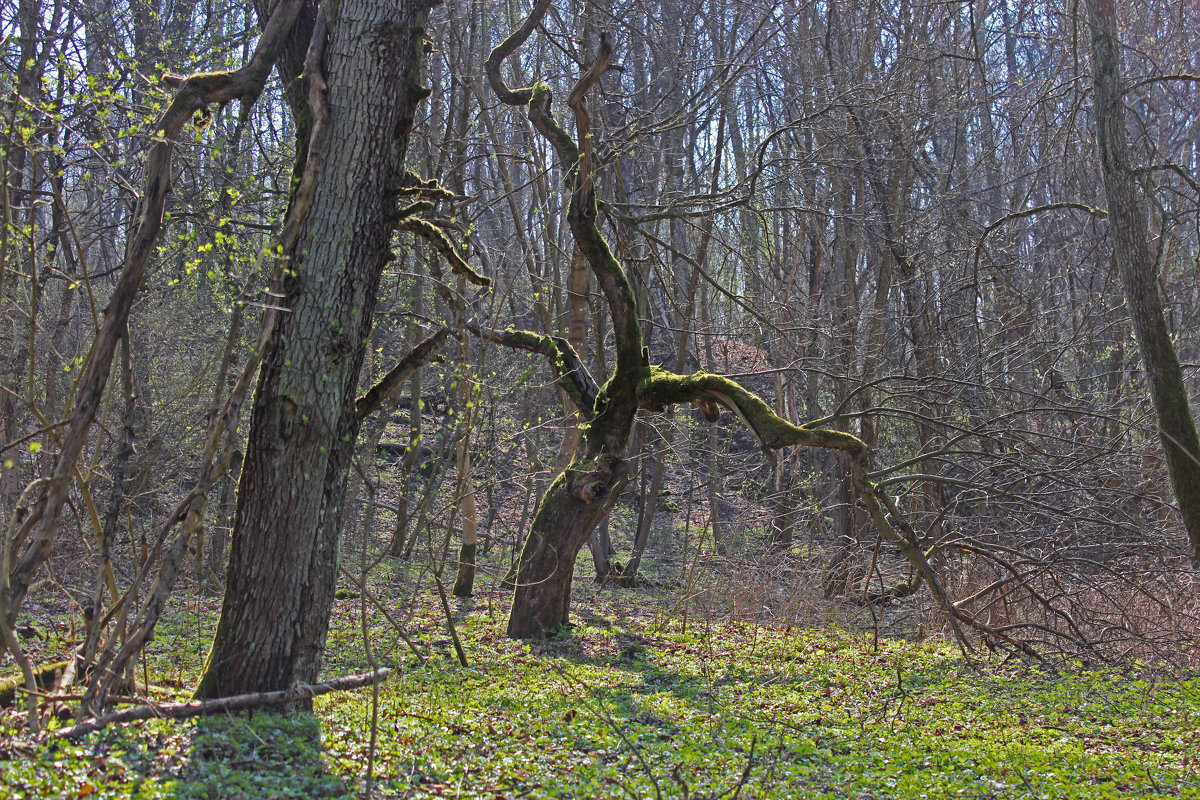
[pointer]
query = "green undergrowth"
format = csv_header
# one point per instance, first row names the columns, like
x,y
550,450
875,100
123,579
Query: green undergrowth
x,y
624,706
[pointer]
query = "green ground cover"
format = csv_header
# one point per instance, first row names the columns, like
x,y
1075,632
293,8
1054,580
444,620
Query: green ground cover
x,y
639,706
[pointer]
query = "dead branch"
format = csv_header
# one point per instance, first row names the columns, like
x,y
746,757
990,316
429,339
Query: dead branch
x,y
406,366
223,705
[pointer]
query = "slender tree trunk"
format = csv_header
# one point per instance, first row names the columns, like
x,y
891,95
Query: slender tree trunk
x,y
464,581
400,544
1136,264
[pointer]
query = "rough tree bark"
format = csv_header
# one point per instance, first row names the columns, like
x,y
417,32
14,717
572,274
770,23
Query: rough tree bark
x,y
283,558
1136,263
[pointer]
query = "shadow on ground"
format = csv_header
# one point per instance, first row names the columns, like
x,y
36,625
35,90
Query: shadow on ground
x,y
262,755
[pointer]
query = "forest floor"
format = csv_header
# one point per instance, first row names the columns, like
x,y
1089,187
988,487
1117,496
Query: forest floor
x,y
642,701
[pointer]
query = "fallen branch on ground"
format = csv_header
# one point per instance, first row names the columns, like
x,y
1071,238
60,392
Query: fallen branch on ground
x,y
238,702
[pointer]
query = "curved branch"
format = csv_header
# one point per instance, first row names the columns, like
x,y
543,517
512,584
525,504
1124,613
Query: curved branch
x,y
569,370
620,390
1027,212
514,97
1178,76
564,145
577,102
660,388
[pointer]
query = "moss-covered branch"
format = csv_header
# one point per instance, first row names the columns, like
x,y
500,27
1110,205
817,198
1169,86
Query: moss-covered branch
x,y
418,356
569,370
610,431
660,388
514,97
412,184
540,100
445,248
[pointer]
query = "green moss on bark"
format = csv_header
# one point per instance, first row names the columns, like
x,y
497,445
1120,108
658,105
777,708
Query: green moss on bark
x,y
660,388
547,125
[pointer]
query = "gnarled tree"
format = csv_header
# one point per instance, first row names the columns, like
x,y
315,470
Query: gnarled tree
x,y
585,492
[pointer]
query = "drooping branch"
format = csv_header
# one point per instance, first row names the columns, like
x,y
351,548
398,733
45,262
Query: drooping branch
x,y
445,248
660,388
406,366
1025,212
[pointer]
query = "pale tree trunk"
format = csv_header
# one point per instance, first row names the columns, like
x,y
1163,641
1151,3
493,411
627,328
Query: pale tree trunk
x,y
283,559
464,581
1136,263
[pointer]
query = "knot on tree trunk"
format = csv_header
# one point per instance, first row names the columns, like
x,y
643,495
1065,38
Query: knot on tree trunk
x,y
597,483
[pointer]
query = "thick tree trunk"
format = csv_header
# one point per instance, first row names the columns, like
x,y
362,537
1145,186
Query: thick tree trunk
x,y
283,559
1136,262
572,508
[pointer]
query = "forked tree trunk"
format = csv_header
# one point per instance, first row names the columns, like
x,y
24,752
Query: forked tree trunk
x,y
571,509
283,559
